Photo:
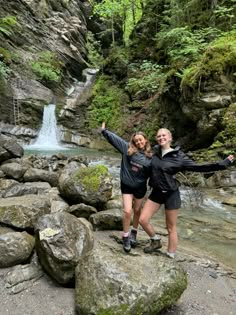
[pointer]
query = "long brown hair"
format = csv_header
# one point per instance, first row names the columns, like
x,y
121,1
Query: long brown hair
x,y
132,149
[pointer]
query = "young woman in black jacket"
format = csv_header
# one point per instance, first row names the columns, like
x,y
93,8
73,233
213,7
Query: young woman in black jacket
x,y
134,173
166,162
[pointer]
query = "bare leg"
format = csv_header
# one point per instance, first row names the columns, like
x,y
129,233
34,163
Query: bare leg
x,y
171,224
127,211
149,209
137,211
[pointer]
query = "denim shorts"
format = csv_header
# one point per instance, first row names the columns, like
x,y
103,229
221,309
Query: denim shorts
x,y
171,199
138,192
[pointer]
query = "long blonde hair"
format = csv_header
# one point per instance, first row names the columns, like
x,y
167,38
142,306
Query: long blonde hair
x,y
132,149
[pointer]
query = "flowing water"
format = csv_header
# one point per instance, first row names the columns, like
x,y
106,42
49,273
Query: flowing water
x,y
49,136
206,224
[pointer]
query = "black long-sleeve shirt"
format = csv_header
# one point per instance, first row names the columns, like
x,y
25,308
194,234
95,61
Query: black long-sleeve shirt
x,y
163,169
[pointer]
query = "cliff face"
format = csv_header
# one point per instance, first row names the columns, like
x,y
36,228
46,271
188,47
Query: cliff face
x,y
43,26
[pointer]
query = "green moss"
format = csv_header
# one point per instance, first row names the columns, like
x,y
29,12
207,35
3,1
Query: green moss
x,y
5,55
91,176
227,137
107,104
218,56
119,310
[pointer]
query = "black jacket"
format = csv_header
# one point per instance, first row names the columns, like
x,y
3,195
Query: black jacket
x,y
163,169
135,169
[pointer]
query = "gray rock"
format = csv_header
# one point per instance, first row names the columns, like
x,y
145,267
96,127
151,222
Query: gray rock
x,y
13,170
21,277
91,185
23,212
34,175
82,210
107,220
26,189
15,248
61,240
110,282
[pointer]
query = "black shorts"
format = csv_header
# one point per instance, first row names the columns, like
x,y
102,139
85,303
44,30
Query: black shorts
x,y
171,199
138,192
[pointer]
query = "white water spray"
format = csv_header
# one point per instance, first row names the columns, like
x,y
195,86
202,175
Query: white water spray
x,y
48,137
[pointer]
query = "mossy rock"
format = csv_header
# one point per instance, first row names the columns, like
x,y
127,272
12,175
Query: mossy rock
x,y
91,176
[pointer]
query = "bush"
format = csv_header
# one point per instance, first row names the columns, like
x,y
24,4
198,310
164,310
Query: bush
x,y
217,57
106,104
7,23
47,67
4,71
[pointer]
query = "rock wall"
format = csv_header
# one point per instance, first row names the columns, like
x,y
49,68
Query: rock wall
x,y
56,26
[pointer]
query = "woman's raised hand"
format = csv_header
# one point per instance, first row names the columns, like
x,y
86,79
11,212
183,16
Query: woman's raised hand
x,y
103,125
231,158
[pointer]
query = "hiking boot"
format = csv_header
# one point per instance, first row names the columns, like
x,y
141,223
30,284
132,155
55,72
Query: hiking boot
x,y
153,247
170,255
133,237
126,244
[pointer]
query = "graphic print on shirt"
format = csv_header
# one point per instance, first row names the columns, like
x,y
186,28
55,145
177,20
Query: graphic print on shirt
x,y
135,166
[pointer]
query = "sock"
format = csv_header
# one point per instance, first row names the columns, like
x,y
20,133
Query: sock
x,y
156,237
125,234
171,255
134,229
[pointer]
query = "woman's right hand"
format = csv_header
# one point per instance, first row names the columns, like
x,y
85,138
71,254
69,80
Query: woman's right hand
x,y
103,125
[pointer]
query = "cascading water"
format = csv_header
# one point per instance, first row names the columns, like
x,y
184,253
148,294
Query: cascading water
x,y
48,137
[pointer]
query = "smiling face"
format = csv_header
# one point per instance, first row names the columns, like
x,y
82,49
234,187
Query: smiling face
x,y
164,138
139,141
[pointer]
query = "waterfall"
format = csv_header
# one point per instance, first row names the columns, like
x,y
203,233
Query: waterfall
x,y
48,137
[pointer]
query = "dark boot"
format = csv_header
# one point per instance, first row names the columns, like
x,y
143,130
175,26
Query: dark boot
x,y
153,247
133,238
126,244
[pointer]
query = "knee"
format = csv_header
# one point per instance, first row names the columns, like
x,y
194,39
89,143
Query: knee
x,y
171,228
143,221
127,213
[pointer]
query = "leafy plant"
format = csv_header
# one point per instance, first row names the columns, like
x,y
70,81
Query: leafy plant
x,y
106,104
4,70
5,55
7,24
218,56
146,78
94,51
47,66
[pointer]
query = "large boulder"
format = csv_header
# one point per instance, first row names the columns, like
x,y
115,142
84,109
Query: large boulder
x,y
34,175
111,282
61,239
22,189
23,212
13,170
9,148
15,247
107,220
91,185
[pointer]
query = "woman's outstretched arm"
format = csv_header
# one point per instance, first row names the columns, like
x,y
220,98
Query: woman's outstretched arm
x,y
117,142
